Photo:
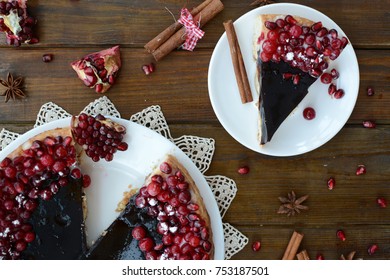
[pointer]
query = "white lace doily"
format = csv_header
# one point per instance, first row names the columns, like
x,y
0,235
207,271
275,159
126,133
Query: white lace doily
x,y
199,150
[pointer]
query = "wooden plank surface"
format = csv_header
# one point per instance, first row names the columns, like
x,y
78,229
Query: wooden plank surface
x,y
71,29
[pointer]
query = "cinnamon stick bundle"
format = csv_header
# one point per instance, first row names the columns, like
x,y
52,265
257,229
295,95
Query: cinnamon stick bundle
x,y
293,245
174,36
238,63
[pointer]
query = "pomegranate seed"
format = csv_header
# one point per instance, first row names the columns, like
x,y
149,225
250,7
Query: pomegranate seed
x,y
86,181
331,183
295,31
290,20
165,168
148,68
243,170
296,79
335,74
320,257
341,235
326,78
138,233
154,188
339,93
361,169
370,91
344,42
309,113
47,57
316,26
287,76
381,202
333,33
322,32
256,246
29,237
332,89
270,25
369,124
146,244
280,23
372,249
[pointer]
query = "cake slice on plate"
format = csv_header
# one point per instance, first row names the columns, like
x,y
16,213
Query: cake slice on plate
x,y
291,54
166,219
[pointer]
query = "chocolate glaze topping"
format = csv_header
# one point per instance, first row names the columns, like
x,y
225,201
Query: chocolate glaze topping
x,y
278,96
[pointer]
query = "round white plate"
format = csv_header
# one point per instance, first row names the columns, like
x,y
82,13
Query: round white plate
x,y
129,169
296,135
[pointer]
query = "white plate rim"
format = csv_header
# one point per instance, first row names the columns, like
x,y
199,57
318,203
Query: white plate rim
x,y
204,188
277,8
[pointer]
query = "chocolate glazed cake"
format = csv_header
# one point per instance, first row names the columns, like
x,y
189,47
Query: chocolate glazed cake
x,y
291,54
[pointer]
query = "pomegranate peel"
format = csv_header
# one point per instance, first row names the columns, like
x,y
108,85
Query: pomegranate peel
x,y
16,22
99,70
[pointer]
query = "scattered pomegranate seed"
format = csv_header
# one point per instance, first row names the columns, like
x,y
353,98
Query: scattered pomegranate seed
x,y
372,249
370,91
341,235
339,93
369,124
381,202
320,257
256,246
138,232
309,113
287,76
361,169
86,181
47,57
243,170
326,78
148,68
332,89
335,74
296,79
331,183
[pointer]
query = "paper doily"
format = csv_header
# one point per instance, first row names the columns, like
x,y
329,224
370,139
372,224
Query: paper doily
x,y
199,150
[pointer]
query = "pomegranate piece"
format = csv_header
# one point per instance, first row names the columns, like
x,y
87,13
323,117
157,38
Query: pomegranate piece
x,y
331,183
256,246
381,202
100,137
372,249
99,70
16,23
148,68
340,235
309,113
369,124
361,169
243,170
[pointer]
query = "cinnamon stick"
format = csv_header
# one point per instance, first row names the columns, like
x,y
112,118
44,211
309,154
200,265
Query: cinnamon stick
x,y
293,245
303,255
161,38
238,63
177,39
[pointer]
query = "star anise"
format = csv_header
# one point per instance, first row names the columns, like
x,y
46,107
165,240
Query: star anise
x,y
13,88
349,256
291,205
261,2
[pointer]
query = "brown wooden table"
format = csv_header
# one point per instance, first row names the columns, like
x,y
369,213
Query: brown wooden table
x,y
70,29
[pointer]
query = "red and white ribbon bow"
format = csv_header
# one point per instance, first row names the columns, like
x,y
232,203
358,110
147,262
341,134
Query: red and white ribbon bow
x,y
193,32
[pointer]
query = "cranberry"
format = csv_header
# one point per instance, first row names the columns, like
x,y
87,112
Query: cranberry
x,y
243,170
138,233
309,113
256,246
341,235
